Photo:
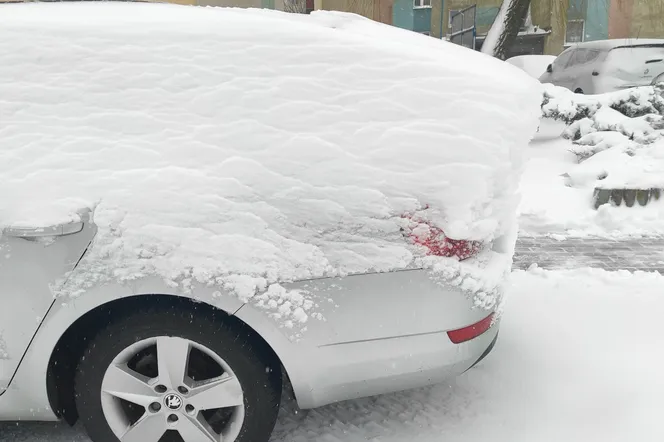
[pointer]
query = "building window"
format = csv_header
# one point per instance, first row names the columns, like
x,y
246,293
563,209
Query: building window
x,y
575,31
421,4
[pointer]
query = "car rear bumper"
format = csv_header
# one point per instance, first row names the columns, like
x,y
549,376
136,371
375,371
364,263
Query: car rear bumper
x,y
379,333
378,367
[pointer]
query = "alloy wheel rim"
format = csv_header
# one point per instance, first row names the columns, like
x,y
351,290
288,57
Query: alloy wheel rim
x,y
165,385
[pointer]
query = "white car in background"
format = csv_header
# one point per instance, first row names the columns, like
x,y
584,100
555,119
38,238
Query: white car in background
x,y
608,65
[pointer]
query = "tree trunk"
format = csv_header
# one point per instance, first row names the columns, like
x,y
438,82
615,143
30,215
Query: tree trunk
x,y
295,6
505,28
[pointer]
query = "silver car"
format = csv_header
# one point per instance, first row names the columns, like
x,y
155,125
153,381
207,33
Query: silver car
x,y
135,363
605,66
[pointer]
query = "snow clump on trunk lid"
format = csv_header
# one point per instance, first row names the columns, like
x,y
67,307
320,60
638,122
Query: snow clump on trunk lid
x,y
242,149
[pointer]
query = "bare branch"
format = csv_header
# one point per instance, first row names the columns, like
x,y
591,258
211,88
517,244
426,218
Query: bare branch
x,y
295,6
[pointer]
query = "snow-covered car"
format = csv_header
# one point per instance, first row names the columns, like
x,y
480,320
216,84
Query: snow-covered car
x,y
533,65
203,206
608,65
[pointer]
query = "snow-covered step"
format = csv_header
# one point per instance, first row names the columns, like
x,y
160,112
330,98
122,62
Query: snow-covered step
x,y
626,197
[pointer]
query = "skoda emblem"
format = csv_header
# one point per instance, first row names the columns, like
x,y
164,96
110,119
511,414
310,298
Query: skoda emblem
x,y
173,402
646,72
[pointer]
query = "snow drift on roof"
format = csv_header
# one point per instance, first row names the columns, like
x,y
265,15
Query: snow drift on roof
x,y
241,148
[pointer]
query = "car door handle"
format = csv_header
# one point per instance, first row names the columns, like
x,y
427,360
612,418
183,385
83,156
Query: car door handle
x,y
38,232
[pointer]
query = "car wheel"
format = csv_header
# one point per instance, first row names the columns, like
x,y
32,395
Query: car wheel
x,y
579,91
176,375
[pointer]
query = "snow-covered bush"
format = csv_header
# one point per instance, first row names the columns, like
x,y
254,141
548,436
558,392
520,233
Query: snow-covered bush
x,y
626,118
617,137
561,104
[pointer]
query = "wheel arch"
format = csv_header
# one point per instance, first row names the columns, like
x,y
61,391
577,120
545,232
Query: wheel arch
x,y
71,345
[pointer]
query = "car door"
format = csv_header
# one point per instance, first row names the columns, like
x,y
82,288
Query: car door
x,y
32,260
573,69
581,70
591,68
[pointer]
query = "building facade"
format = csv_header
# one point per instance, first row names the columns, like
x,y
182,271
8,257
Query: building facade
x,y
551,25
414,15
636,18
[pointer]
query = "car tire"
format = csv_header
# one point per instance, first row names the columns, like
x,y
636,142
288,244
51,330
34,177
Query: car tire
x,y
210,340
579,91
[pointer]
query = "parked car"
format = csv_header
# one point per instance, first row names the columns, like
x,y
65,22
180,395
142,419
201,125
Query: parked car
x,y
202,207
608,65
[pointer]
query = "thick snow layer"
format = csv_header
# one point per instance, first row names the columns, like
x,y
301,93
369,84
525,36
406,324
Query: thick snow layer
x,y
3,348
533,65
243,148
577,360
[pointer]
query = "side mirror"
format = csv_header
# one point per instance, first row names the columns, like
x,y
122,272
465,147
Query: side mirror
x,y
549,68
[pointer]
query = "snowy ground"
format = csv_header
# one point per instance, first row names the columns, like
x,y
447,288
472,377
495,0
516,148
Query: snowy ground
x,y
577,360
633,254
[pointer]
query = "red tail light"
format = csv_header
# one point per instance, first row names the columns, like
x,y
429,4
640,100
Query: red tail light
x,y
470,332
437,243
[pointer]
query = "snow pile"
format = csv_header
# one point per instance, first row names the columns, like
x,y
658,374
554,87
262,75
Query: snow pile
x,y
610,141
244,148
557,195
625,165
618,137
533,65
